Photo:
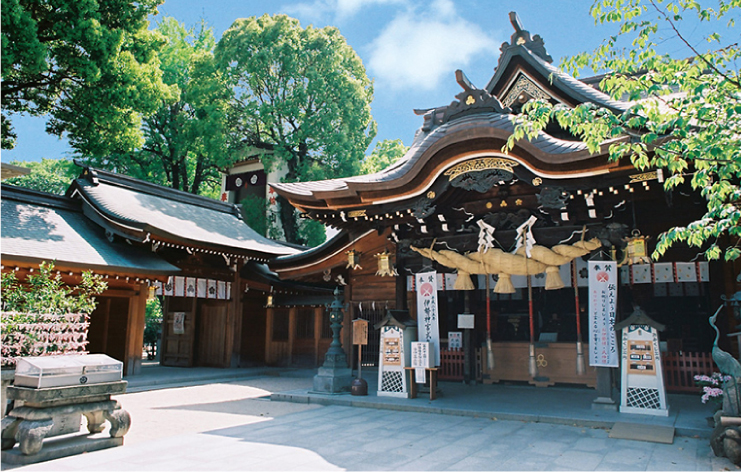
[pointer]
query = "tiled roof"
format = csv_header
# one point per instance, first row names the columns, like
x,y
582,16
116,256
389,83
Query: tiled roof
x,y
423,141
171,214
559,79
42,227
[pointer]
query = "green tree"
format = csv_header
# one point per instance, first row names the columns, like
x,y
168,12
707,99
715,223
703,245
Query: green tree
x,y
92,66
685,118
152,326
47,175
255,213
385,153
301,93
185,139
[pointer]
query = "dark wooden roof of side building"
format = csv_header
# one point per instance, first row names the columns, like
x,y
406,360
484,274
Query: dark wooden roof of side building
x,y
145,212
38,226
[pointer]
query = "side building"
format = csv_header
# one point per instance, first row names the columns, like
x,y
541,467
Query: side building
x,y
39,227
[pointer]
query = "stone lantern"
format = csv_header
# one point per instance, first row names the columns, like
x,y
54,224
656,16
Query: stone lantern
x,y
334,376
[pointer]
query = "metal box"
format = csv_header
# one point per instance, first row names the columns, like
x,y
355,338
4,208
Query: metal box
x,y
64,371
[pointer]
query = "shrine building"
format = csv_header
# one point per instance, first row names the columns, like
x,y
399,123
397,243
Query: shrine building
x,y
509,236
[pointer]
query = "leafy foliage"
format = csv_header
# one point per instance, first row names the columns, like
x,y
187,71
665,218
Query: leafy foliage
x,y
46,293
312,233
152,326
254,213
47,175
684,116
185,139
385,153
301,93
91,65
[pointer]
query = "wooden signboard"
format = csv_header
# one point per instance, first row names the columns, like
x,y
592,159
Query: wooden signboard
x,y
641,358
392,351
360,332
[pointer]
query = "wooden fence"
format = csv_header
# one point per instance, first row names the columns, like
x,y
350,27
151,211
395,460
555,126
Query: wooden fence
x,y
452,364
680,367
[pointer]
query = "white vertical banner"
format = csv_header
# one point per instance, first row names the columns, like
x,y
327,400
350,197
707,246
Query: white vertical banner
x,y
427,312
190,286
179,290
168,288
201,288
603,290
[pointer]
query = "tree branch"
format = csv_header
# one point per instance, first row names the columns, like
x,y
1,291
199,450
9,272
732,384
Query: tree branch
x,y
672,25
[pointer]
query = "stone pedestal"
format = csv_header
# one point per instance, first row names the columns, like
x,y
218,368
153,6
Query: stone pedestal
x,y
7,381
334,376
57,412
604,400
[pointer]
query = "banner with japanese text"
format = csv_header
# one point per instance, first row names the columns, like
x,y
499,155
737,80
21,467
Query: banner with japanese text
x,y
427,312
602,290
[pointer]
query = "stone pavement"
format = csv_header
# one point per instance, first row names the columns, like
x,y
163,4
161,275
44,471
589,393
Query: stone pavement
x,y
231,425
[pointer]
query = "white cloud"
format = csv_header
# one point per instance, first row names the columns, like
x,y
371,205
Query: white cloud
x,y
339,10
417,49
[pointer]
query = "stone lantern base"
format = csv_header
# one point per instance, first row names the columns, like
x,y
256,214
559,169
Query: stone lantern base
x,y
334,377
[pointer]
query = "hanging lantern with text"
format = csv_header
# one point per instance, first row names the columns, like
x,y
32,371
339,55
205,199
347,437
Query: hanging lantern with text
x,y
354,260
636,249
385,264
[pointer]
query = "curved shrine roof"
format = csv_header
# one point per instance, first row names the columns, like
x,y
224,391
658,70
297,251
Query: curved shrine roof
x,y
143,209
476,113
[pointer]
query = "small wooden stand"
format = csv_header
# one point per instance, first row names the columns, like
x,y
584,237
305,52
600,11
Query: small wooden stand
x,y
431,374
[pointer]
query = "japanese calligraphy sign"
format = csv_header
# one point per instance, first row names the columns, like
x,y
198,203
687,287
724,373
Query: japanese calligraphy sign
x,y
427,312
360,332
642,385
602,289
454,339
421,359
179,322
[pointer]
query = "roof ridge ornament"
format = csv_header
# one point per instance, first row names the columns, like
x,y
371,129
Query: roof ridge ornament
x,y
471,101
522,37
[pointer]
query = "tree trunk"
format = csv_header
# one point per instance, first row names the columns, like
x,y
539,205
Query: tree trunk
x,y
288,220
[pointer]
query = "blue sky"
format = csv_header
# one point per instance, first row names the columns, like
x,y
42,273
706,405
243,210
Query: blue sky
x,y
410,48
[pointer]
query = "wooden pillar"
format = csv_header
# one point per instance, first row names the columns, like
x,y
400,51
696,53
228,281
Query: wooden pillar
x,y
236,315
292,334
268,338
135,330
400,283
318,356
106,315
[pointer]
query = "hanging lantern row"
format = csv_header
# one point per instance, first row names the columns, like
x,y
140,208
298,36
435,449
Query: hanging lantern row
x,y
360,215
190,250
70,273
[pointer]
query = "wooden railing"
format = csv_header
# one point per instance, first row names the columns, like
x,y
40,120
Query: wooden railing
x,y
452,364
680,367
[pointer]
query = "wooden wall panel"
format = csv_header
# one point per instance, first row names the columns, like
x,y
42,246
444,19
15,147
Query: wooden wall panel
x,y
212,334
252,347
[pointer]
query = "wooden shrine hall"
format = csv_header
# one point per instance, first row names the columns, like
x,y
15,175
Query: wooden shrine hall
x,y
457,204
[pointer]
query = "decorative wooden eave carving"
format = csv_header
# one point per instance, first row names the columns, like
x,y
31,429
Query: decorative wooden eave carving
x,y
330,255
